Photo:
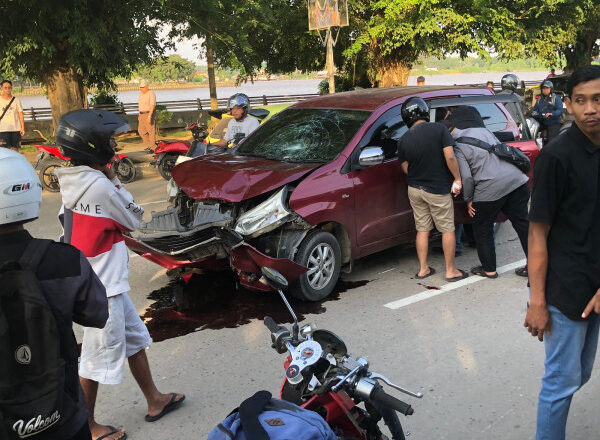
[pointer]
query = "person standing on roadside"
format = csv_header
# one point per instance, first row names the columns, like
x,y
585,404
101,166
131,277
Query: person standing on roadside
x,y
549,107
427,158
147,116
564,256
96,210
552,74
69,286
12,120
421,80
490,186
509,84
490,85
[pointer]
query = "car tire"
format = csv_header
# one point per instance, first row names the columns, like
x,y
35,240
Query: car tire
x,y
166,165
320,252
48,179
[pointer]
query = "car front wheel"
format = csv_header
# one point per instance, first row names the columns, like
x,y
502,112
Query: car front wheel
x,y
320,253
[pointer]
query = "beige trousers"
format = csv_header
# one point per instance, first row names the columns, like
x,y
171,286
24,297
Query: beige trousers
x,y
147,130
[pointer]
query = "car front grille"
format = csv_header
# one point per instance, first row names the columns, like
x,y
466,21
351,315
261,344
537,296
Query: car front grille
x,y
177,244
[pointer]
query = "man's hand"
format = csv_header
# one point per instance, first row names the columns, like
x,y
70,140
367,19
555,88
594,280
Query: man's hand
x,y
593,305
22,132
470,208
456,187
547,115
538,320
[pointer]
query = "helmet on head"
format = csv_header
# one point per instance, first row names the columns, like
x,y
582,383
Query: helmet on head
x,y
239,100
509,81
20,189
547,83
85,135
413,109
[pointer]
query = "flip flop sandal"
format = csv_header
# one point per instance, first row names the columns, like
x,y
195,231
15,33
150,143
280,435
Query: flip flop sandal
x,y
172,405
113,430
462,276
431,272
522,271
478,270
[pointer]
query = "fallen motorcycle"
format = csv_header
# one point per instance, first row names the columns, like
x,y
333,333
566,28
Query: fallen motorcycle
x,y
50,158
321,376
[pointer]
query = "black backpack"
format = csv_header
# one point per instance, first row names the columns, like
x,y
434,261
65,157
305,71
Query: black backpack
x,y
505,152
32,371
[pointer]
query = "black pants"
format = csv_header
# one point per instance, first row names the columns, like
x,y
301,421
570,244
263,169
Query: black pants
x,y
10,139
514,206
552,131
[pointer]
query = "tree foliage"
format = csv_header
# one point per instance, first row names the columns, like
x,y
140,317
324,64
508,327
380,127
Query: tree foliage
x,y
71,44
173,67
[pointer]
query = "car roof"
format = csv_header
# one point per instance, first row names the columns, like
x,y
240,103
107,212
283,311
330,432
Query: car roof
x,y
370,99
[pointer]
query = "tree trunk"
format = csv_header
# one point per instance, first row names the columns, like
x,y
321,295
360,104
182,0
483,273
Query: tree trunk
x,y
390,74
65,93
581,53
212,83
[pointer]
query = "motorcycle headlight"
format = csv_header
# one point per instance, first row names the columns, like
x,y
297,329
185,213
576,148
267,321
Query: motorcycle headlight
x,y
266,216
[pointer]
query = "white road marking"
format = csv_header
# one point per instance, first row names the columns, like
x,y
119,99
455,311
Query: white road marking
x,y
426,294
389,270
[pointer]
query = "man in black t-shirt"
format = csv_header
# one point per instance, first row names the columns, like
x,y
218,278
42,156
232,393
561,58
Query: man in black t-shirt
x,y
564,254
427,158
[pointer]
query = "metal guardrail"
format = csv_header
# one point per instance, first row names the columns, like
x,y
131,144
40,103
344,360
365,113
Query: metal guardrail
x,y
131,108
44,113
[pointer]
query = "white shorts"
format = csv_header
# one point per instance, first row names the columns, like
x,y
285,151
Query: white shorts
x,y
104,351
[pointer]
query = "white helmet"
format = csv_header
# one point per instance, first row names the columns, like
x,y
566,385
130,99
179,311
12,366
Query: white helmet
x,y
20,189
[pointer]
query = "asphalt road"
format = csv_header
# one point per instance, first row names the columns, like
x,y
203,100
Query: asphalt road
x,y
465,349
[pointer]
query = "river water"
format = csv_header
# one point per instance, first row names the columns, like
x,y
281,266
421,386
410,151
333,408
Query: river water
x,y
290,87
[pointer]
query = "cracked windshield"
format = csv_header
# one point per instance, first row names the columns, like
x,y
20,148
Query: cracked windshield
x,y
304,135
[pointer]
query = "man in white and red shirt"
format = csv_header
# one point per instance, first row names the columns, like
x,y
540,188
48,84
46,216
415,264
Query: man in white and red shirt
x,y
96,210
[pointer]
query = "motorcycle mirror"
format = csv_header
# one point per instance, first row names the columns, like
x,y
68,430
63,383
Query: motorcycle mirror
x,y
306,331
274,278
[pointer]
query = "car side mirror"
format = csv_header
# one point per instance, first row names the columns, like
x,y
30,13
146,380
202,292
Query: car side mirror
x,y
370,156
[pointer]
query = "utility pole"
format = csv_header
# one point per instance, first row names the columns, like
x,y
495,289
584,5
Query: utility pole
x,y
330,63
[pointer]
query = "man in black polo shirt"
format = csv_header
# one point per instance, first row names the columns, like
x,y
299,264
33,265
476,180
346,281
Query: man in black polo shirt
x,y
426,154
564,254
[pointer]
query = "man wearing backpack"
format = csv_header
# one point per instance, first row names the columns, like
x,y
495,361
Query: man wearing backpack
x,y
490,186
63,279
97,209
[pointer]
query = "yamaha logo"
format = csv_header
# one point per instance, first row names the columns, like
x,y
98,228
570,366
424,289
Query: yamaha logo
x,y
23,355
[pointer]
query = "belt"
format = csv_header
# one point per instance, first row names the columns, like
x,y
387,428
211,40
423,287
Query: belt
x,y
422,188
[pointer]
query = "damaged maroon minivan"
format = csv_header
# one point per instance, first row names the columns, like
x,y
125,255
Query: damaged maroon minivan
x,y
308,192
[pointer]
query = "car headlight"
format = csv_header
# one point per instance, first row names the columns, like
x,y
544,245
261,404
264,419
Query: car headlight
x,y
268,215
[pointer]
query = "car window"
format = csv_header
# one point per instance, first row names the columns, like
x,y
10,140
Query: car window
x,y
493,118
388,135
304,135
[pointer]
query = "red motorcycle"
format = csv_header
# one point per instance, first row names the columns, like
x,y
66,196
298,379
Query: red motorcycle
x,y
167,152
321,376
50,158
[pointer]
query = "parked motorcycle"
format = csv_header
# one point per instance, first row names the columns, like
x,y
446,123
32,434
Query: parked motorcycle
x,y
50,158
321,376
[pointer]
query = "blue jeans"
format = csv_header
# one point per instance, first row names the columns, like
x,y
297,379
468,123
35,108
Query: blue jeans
x,y
570,352
458,232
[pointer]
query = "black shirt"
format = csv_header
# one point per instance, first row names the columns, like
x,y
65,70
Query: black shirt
x,y
75,294
422,147
566,196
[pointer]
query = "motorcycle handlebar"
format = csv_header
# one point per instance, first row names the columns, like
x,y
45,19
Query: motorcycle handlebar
x,y
379,395
270,324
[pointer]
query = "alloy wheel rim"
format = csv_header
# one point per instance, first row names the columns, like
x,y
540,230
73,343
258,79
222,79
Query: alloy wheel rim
x,y
321,263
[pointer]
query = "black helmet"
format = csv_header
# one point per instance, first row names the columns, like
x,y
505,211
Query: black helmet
x,y
413,109
547,83
85,135
509,81
240,100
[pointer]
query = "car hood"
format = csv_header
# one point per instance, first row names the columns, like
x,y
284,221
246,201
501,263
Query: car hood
x,y
235,178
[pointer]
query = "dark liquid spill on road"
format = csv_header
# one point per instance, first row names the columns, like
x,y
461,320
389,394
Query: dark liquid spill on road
x,y
210,301
429,287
